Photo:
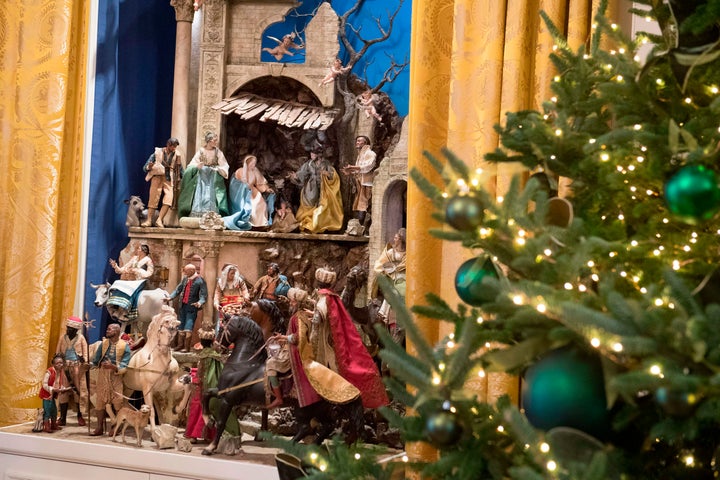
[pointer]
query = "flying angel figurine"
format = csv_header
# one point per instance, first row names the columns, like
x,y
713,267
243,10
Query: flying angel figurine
x,y
335,69
367,101
283,47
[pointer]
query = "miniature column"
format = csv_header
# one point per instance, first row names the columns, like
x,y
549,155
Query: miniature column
x,y
184,13
210,252
174,251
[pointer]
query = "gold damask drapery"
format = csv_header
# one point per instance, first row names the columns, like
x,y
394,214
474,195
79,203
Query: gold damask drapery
x,y
472,61
43,47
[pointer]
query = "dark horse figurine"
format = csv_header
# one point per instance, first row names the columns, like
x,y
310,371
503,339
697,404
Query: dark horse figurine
x,y
241,382
365,316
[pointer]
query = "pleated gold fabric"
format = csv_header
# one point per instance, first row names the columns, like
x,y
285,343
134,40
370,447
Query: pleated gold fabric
x,y
43,47
472,61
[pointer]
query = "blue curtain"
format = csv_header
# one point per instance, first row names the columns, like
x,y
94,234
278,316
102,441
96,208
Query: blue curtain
x,y
132,115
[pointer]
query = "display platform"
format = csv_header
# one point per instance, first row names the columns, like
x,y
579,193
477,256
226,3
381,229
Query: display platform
x,y
71,453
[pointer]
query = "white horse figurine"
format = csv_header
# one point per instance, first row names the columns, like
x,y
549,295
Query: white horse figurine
x,y
153,370
149,303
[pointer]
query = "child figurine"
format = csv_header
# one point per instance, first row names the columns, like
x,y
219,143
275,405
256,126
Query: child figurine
x,y
55,384
284,220
335,69
367,101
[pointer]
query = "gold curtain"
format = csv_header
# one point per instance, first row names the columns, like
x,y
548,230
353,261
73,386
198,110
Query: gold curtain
x,y
43,50
472,61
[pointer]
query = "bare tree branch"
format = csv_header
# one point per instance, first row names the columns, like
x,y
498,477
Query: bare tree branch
x,y
385,32
392,72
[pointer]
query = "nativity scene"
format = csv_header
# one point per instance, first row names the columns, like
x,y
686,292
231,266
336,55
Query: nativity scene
x,y
249,223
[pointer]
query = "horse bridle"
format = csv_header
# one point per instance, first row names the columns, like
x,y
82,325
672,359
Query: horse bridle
x,y
164,327
223,335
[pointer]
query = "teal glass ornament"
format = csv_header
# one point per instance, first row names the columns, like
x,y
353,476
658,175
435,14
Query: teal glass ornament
x,y
692,193
464,212
676,403
566,388
468,281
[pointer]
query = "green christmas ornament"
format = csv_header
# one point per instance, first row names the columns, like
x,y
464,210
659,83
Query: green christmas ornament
x,y
464,212
566,389
676,403
692,193
443,429
468,281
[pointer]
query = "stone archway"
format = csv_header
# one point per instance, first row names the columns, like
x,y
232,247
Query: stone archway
x,y
280,146
394,215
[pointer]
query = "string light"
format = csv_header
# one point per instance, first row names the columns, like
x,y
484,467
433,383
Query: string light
x,y
544,447
595,342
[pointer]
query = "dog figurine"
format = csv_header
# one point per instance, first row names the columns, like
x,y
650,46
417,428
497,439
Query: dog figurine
x,y
139,419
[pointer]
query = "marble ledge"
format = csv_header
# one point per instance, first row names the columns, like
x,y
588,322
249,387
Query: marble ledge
x,y
179,233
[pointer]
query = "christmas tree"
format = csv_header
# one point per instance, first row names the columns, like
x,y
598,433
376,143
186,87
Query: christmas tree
x,y
604,300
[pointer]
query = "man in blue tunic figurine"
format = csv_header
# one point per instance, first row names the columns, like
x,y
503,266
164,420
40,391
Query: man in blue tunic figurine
x,y
194,295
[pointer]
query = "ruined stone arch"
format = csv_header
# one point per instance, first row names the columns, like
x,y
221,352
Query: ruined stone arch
x,y
394,204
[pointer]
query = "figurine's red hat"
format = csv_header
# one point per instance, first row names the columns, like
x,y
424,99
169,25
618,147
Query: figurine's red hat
x,y
74,322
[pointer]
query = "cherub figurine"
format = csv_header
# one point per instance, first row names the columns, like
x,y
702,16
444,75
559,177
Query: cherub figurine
x,y
335,69
367,102
284,46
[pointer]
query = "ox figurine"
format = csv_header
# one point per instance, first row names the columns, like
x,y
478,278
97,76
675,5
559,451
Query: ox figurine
x,y
137,213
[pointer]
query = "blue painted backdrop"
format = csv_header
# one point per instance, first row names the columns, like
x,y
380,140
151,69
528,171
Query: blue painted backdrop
x,y
133,106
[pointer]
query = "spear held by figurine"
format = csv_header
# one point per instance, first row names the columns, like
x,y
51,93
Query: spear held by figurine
x,y
86,324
